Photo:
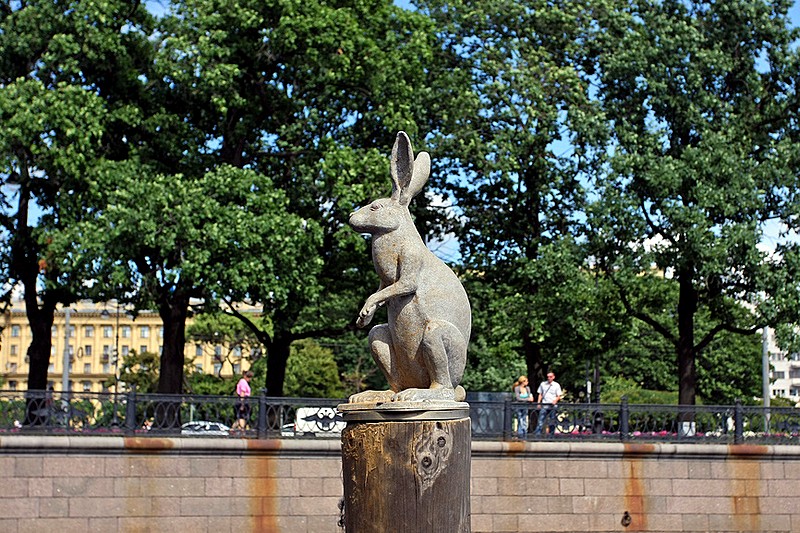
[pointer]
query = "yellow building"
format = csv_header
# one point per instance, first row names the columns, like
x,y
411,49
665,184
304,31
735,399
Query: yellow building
x,y
98,331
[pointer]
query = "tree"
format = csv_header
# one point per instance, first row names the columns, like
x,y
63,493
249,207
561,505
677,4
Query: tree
x,y
310,94
702,98
218,332
516,138
168,239
63,69
139,371
311,372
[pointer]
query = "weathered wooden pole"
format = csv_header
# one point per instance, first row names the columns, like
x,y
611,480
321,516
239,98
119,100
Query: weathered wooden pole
x,y
406,469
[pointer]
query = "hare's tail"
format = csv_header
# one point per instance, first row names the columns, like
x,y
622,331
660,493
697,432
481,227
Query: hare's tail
x,y
461,394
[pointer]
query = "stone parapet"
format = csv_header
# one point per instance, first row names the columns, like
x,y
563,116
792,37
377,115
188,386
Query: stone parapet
x,y
217,485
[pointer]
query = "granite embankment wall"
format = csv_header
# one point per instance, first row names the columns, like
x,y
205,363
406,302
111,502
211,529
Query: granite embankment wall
x,y
104,484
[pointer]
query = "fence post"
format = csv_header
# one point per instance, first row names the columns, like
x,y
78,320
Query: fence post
x,y
738,422
261,424
624,413
130,412
507,420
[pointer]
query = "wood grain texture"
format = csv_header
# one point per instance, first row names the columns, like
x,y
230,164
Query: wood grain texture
x,y
407,476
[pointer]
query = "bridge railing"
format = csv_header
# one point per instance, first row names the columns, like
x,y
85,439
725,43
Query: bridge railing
x,y
133,414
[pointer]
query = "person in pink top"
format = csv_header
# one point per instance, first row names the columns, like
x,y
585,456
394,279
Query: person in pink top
x,y
242,408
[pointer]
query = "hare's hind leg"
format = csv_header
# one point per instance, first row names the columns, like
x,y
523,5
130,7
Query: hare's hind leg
x,y
380,343
444,352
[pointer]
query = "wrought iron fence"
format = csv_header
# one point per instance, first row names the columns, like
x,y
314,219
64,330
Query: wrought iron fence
x,y
270,417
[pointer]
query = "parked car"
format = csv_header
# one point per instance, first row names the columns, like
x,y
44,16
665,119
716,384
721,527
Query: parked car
x,y
204,428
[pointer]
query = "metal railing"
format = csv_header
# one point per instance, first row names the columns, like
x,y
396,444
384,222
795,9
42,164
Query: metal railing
x,y
271,417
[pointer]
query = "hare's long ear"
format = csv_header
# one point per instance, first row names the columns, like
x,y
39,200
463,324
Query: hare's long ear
x,y
401,165
422,170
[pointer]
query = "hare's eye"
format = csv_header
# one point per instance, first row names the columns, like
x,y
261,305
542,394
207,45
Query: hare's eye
x,y
375,206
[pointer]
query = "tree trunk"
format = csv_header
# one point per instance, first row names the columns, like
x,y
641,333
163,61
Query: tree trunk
x,y
687,371
533,359
173,312
277,356
40,320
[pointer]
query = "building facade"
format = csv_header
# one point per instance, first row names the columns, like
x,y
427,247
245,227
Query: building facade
x,y
785,375
100,335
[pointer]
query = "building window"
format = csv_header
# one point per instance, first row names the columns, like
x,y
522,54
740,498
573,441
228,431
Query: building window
x,y
237,368
108,331
144,332
106,368
198,367
779,374
88,331
12,385
125,351
794,373
217,368
51,367
237,351
126,332
198,350
87,368
12,367
87,350
13,349
54,331
161,332
72,331
142,349
87,386
217,351
15,331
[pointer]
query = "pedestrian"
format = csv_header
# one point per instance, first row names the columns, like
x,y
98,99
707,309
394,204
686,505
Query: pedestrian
x,y
242,408
522,393
549,395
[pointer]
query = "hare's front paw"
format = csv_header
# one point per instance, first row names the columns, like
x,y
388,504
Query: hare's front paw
x,y
366,314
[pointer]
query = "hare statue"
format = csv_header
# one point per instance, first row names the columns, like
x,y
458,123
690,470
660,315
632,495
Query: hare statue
x,y
423,349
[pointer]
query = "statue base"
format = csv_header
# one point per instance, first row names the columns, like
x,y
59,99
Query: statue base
x,y
428,410
406,467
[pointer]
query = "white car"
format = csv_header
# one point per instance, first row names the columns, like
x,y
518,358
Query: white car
x,y
204,428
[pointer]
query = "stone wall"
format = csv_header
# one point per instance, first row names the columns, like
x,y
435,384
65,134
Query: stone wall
x,y
103,484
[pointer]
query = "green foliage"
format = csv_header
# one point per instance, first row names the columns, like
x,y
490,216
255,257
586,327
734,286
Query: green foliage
x,y
65,67
139,371
311,372
517,96
615,388
702,99
610,169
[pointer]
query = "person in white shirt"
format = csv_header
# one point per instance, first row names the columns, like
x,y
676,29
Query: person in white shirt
x,y
549,395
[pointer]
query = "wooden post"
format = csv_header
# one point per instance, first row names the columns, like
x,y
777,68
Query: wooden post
x,y
406,470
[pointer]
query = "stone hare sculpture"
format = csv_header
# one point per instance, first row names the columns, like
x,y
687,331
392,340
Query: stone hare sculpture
x,y
423,349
